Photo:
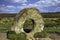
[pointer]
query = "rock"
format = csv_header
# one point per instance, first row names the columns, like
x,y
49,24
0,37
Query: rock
x,y
26,14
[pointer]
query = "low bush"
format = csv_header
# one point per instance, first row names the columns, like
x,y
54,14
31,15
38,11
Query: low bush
x,y
42,34
13,36
22,36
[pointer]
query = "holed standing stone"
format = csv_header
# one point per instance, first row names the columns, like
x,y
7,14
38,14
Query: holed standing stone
x,y
29,21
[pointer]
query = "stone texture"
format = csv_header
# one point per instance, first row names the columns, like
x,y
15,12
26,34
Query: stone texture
x,y
28,13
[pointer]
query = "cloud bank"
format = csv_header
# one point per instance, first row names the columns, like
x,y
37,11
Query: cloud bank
x,y
42,5
17,1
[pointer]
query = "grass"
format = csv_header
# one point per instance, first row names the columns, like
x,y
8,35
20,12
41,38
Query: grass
x,y
52,29
51,25
5,24
13,36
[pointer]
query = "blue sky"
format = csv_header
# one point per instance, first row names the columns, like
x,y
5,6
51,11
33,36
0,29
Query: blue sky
x,y
14,6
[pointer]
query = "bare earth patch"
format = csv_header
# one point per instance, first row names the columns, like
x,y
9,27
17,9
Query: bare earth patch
x,y
54,36
3,36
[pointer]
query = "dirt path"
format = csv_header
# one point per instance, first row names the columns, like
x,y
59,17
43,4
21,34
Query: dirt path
x,y
54,36
3,36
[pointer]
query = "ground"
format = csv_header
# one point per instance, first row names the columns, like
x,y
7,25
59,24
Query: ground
x,y
3,36
51,35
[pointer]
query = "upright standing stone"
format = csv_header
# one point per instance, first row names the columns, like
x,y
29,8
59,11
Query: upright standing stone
x,y
32,14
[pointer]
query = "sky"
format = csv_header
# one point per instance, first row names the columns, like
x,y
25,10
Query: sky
x,y
14,6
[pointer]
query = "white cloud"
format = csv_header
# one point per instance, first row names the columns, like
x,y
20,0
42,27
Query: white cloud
x,y
17,1
8,8
43,3
27,6
57,1
47,2
39,4
57,9
24,4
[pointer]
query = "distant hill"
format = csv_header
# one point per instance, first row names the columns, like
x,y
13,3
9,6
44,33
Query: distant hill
x,y
45,15
51,15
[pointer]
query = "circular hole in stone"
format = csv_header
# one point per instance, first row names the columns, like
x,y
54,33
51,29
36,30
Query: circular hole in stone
x,y
28,25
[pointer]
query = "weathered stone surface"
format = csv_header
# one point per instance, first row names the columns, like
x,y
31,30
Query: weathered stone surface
x,y
28,13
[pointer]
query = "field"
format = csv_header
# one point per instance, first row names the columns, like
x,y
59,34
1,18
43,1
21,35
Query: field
x,y
51,26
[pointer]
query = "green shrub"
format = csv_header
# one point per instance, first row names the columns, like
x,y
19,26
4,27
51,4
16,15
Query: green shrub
x,y
13,36
42,34
22,36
